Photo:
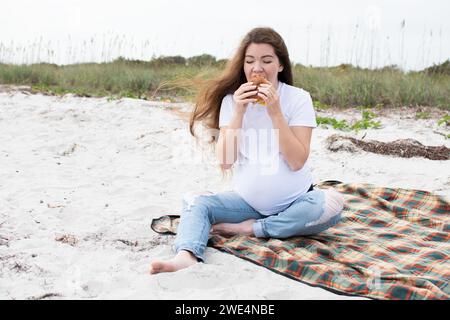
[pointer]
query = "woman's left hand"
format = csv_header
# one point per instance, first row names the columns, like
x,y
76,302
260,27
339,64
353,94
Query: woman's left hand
x,y
270,96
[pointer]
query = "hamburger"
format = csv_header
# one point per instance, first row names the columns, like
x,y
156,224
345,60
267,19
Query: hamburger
x,y
258,80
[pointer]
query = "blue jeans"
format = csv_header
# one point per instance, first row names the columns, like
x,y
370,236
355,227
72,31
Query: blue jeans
x,y
202,211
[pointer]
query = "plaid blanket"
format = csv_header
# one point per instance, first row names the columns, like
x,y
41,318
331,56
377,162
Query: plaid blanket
x,y
391,243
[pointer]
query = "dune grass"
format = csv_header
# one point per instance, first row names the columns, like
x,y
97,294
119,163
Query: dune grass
x,y
343,86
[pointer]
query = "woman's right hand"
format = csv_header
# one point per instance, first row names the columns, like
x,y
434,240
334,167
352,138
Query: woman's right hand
x,y
242,94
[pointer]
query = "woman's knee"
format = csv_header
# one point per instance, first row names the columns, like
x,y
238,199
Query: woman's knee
x,y
334,202
332,207
197,200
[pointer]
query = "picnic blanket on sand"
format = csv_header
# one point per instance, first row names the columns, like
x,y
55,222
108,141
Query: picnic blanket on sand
x,y
391,243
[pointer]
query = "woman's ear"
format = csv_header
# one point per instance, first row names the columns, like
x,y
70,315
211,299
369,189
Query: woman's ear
x,y
280,68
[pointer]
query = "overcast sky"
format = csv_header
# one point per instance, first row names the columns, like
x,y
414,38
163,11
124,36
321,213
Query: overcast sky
x,y
317,32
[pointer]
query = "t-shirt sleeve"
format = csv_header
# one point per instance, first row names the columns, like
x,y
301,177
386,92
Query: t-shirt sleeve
x,y
303,113
226,111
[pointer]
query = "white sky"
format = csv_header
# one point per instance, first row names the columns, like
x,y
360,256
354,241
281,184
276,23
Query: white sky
x,y
317,32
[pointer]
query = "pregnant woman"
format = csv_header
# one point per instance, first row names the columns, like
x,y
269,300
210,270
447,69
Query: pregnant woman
x,y
265,126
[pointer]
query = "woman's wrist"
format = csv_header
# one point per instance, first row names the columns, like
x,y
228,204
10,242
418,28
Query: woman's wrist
x,y
239,112
240,107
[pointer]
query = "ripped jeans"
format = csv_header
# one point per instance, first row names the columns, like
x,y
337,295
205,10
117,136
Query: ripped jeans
x,y
304,216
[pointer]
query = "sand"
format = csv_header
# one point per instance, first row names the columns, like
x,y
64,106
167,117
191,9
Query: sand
x,y
82,178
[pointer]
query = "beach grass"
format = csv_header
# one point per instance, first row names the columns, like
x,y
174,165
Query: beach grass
x,y
343,86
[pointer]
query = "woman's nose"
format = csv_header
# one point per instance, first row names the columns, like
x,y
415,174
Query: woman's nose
x,y
257,66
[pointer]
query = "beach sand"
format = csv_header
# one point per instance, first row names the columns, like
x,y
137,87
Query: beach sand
x,y
82,178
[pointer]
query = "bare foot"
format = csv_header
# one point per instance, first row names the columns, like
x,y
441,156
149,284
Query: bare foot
x,y
244,228
182,260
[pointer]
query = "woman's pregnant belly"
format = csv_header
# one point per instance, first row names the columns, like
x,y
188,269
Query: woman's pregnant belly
x,y
270,189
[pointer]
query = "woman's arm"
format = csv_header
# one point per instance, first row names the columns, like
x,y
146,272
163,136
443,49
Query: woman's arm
x,y
228,142
294,142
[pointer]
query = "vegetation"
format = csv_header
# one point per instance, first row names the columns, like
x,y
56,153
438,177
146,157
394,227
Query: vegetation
x,y
366,122
445,120
172,77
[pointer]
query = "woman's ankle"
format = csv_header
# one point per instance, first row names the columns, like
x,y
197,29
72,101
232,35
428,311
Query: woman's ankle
x,y
186,255
182,259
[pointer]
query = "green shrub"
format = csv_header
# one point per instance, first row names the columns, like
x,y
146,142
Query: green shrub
x,y
343,86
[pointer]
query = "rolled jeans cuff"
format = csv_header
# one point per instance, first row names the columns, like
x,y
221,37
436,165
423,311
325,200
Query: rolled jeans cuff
x,y
195,251
258,229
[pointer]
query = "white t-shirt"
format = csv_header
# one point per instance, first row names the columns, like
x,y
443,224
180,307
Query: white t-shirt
x,y
261,176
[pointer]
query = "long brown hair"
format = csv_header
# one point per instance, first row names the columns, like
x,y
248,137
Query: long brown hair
x,y
209,98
